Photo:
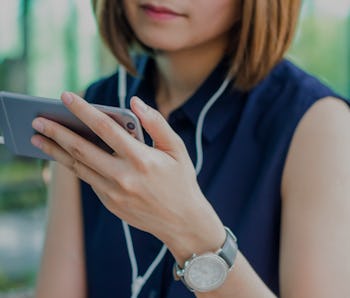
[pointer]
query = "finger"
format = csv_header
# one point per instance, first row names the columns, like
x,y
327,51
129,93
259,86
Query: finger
x,y
101,124
79,169
50,148
94,179
164,137
77,147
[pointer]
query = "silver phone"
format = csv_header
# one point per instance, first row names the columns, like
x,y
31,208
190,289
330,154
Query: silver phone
x,y
17,111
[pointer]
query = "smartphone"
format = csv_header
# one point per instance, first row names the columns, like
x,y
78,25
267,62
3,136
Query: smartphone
x,y
17,111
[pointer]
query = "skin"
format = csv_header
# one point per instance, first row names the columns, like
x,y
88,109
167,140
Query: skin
x,y
176,42
315,189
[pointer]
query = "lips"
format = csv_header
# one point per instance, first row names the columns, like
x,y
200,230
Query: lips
x,y
158,9
160,12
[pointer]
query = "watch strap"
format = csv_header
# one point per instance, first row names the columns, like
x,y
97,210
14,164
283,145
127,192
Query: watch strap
x,y
229,249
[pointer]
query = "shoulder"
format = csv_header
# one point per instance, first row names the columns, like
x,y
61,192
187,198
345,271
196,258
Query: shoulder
x,y
284,97
319,150
328,112
315,193
318,158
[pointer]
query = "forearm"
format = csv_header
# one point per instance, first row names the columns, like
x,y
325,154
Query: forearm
x,y
242,282
62,266
205,234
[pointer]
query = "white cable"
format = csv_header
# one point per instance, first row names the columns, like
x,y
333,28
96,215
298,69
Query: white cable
x,y
122,86
155,263
200,122
2,140
139,281
134,268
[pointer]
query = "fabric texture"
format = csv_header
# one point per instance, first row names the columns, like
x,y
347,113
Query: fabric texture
x,y
246,137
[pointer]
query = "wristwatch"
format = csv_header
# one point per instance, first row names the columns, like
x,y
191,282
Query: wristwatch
x,y
207,272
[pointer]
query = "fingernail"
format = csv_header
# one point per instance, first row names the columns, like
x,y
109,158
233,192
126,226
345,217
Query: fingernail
x,y
38,125
67,98
36,142
141,105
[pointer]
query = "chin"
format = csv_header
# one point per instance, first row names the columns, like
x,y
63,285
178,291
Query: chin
x,y
164,44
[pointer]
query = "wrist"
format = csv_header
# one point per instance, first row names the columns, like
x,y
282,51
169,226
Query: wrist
x,y
206,234
208,271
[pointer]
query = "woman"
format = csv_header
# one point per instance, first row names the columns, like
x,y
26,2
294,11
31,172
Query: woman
x,y
270,147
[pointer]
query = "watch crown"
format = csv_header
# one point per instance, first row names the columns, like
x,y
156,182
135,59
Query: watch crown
x,y
179,272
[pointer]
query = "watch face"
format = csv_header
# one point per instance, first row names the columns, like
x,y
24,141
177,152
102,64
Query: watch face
x,y
206,272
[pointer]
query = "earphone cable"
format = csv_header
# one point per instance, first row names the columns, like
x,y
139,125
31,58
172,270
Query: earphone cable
x,y
139,281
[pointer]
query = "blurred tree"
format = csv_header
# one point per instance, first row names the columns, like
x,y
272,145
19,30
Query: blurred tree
x,y
322,47
71,48
14,71
347,32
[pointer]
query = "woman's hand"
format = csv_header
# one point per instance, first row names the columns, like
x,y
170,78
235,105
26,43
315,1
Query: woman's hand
x,y
153,189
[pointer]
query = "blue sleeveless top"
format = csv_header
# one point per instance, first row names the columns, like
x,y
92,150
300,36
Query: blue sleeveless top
x,y
246,137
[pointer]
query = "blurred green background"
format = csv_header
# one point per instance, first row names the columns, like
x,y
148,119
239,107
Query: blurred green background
x,y
49,46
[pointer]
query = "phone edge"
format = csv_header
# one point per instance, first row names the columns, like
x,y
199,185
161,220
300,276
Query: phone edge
x,y
14,146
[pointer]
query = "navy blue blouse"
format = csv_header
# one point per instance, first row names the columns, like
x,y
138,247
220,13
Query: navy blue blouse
x,y
246,137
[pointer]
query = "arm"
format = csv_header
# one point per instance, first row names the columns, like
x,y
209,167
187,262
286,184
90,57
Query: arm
x,y
315,242
315,245
62,269
155,190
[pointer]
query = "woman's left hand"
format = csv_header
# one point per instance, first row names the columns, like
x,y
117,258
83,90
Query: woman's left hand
x,y
151,188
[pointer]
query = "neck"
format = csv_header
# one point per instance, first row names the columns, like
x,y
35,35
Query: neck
x,y
180,73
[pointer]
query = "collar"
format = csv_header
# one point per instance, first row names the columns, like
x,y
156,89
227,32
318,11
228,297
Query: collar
x,y
220,113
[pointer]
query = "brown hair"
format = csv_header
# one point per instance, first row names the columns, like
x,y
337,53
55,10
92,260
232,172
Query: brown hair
x,y
261,37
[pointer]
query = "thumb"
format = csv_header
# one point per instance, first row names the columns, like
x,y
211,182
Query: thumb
x,y
163,136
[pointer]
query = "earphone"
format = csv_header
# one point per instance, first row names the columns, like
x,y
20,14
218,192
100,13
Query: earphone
x,y
137,280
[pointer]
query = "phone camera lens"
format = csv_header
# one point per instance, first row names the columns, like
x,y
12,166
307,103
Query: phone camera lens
x,y
130,126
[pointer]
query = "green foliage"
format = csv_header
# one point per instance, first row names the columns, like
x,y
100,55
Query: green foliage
x,y
322,48
21,185
21,199
19,170
24,281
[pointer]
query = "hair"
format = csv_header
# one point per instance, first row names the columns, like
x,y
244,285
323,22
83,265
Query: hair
x,y
260,38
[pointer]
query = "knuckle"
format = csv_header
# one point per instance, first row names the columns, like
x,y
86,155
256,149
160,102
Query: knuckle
x,y
117,199
127,183
103,126
114,175
146,164
153,116
119,203
179,142
48,149
75,167
116,181
77,151
49,130
157,116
